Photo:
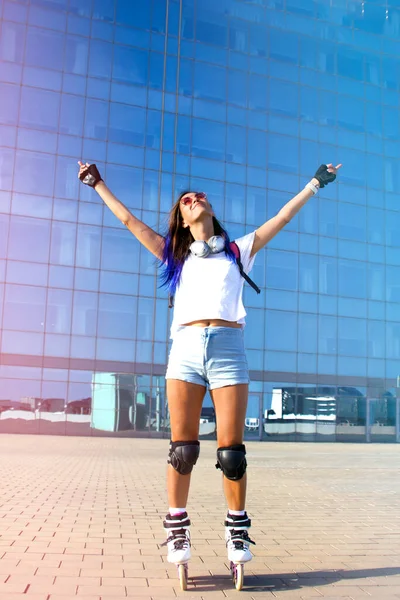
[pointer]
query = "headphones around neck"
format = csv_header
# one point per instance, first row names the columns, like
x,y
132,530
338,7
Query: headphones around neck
x,y
202,249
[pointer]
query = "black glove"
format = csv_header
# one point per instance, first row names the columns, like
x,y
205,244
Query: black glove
x,y
324,176
90,176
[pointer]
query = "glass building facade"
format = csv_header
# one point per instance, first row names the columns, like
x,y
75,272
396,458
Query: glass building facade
x,y
243,100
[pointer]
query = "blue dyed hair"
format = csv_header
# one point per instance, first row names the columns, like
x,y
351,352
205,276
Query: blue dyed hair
x,y
177,246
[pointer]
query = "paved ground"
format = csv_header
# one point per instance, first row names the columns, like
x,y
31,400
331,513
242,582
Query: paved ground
x,y
82,517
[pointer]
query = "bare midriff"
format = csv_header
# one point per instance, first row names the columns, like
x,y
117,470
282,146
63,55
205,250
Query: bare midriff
x,y
213,323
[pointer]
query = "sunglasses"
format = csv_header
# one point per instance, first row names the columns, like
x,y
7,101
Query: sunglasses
x,y
187,200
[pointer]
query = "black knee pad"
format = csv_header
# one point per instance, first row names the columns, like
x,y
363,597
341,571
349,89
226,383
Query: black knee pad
x,y
232,461
183,456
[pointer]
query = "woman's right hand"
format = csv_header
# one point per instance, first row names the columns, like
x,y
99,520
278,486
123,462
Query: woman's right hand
x,y
89,174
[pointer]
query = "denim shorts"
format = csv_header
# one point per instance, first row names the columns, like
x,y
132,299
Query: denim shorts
x,y
209,356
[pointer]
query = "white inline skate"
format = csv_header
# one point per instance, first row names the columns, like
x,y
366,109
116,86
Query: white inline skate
x,y
237,543
178,543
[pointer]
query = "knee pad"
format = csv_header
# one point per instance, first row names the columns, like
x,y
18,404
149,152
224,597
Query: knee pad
x,y
183,456
232,461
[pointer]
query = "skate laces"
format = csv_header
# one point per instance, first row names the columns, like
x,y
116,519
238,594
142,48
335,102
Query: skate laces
x,y
239,538
179,539
177,527
238,531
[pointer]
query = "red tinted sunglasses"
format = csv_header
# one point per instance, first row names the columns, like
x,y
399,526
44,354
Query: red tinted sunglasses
x,y
187,200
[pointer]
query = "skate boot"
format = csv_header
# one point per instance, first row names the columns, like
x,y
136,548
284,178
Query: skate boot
x,y
237,542
178,543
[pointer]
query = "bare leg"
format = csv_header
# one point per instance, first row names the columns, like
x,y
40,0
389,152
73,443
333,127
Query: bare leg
x,y
184,401
230,404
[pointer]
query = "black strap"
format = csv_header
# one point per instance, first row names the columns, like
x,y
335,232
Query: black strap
x,y
246,277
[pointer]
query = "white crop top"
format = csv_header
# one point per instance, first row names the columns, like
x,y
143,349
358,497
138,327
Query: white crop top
x,y
211,288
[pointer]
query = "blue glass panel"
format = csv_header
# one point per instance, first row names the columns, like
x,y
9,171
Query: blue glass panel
x,y
256,148
84,318
63,243
6,168
392,284
117,316
327,305
238,35
280,330
327,334
392,228
308,273
283,153
210,28
145,319
59,310
352,221
61,277
26,272
209,82
350,113
283,46
352,277
133,14
327,275
74,84
72,114
376,339
9,103
102,31
283,98
29,239
257,92
130,65
32,206
282,270
280,361
307,335
100,59
129,94
127,124
44,48
8,135
12,40
254,332
88,246
15,12
237,87
39,109
121,249
96,119
352,336
20,342
31,140
234,203
258,40
308,302
118,283
24,308
256,206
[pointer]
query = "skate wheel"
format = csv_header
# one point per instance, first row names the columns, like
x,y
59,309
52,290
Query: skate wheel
x,y
237,570
183,576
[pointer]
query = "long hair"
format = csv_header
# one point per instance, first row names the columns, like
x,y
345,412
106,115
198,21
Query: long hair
x,y
177,246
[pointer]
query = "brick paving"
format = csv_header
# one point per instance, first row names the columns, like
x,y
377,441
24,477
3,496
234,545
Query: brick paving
x,y
81,517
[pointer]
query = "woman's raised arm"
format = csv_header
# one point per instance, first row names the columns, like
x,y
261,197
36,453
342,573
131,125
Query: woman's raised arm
x,y
153,241
267,231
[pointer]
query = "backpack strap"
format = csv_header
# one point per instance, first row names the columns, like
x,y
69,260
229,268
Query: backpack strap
x,y
236,251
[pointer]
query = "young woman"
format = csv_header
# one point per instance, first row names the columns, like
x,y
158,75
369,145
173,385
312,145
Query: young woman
x,y
201,271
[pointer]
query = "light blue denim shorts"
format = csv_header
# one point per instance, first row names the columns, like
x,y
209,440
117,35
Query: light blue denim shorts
x,y
209,356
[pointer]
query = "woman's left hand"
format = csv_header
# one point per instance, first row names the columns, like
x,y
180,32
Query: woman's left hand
x,y
325,174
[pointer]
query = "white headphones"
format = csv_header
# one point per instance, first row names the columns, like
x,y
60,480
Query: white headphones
x,y
202,249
